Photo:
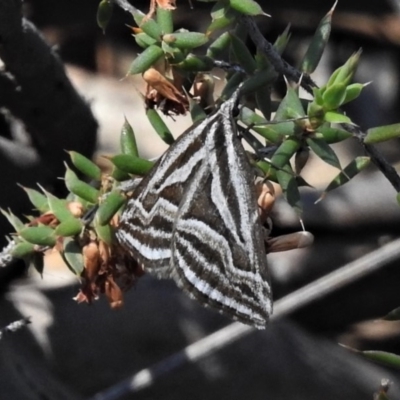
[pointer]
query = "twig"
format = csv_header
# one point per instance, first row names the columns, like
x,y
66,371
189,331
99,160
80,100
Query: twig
x,y
280,65
128,7
376,157
387,170
227,66
15,326
5,255
283,307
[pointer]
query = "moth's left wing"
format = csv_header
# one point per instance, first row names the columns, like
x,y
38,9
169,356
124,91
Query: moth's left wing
x,y
218,254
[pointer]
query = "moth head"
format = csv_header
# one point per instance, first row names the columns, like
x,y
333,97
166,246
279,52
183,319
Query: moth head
x,y
231,106
236,98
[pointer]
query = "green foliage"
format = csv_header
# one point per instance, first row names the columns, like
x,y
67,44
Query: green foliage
x,y
69,227
79,187
165,21
58,207
104,14
337,92
242,55
109,207
39,201
222,15
84,165
217,48
381,357
146,59
159,126
281,41
297,128
332,135
382,133
131,164
185,40
16,223
40,235
353,169
247,7
317,46
72,255
128,140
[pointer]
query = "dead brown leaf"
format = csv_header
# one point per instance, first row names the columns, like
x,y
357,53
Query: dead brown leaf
x,y
266,198
161,91
91,260
113,293
167,4
48,219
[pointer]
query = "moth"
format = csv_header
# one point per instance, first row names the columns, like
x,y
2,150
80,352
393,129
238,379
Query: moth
x,y
194,218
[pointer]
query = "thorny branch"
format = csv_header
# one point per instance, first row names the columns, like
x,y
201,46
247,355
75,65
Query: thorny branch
x,y
377,158
281,66
387,170
284,68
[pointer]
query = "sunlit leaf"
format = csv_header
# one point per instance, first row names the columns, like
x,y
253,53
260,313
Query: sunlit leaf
x,y
109,207
382,133
72,255
146,59
318,43
324,151
16,223
381,357
40,235
127,140
84,165
288,183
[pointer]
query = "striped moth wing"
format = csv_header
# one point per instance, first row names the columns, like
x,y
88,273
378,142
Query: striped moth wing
x,y
194,218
